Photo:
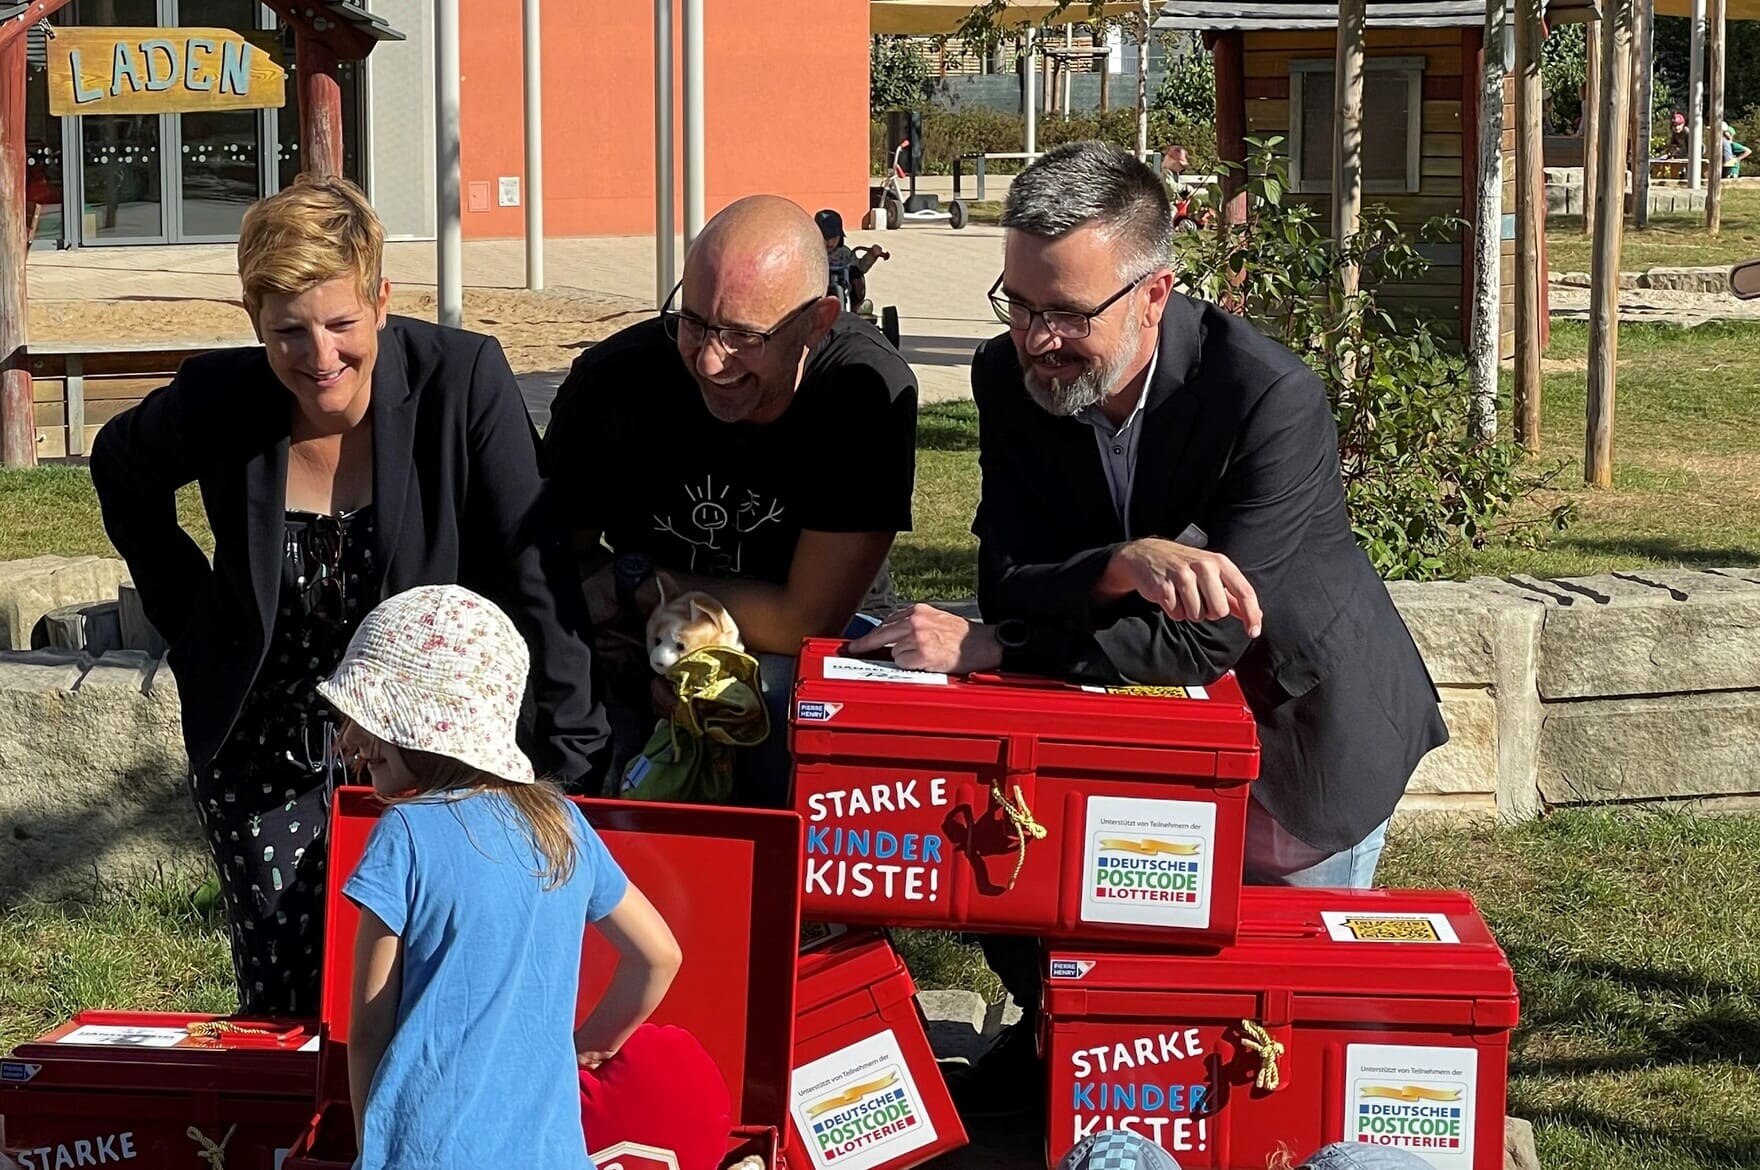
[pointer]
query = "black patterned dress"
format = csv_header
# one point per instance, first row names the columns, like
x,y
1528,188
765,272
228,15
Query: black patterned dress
x,y
264,800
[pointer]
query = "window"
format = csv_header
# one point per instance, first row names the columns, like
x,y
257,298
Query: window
x,y
1393,114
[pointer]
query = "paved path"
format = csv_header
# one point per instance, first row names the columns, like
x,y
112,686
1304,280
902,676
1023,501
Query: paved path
x,y
937,277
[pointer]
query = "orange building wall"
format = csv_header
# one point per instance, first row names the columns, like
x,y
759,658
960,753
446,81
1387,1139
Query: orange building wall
x,y
785,97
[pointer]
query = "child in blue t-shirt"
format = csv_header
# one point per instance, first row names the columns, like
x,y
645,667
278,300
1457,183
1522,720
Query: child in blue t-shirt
x,y
475,889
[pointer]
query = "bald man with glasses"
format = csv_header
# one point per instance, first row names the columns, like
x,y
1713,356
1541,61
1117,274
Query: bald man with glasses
x,y
753,441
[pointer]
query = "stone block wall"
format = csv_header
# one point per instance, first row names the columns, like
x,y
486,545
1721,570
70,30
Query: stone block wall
x,y
1627,687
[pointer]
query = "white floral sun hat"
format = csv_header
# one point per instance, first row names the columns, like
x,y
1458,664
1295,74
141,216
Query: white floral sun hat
x,y
438,669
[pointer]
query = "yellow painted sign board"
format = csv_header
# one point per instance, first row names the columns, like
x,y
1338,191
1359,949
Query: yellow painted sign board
x,y
163,71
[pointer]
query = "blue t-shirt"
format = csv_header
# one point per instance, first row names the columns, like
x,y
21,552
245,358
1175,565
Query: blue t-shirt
x,y
481,1070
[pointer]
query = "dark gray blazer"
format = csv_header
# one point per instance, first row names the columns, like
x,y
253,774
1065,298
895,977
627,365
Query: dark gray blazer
x,y
456,497
1238,441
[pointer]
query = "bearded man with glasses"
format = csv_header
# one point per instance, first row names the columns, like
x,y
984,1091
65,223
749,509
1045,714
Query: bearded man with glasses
x,y
1161,503
753,441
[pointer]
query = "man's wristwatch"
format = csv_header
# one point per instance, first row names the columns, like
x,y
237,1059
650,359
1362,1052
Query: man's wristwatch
x,y
628,572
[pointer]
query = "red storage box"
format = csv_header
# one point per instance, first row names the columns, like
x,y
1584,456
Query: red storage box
x,y
141,1088
723,879
1394,1010
1020,805
866,1092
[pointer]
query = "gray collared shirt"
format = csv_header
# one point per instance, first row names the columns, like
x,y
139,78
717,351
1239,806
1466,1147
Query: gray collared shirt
x,y
1118,446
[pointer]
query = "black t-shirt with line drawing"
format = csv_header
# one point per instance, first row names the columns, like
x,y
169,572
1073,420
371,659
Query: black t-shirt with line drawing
x,y
632,451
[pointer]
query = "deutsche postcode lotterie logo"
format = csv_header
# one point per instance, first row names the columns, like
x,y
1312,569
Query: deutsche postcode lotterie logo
x,y
862,1116
1149,869
1419,1118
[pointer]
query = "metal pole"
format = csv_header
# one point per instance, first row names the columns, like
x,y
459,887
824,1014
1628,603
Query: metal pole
x,y
449,238
534,147
1030,79
663,255
693,120
1696,96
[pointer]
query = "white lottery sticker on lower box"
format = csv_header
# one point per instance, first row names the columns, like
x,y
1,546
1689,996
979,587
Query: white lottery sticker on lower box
x,y
126,1036
1382,926
859,1107
1419,1100
1149,862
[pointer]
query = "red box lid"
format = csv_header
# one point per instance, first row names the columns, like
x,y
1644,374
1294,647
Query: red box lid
x,y
1314,942
858,963
156,1051
834,692
703,869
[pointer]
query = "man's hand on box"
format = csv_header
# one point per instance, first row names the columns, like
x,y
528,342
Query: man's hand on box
x,y
925,638
1189,584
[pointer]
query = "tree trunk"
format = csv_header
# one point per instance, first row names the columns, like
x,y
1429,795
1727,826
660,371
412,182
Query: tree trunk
x,y
1347,142
1616,46
1486,325
1530,224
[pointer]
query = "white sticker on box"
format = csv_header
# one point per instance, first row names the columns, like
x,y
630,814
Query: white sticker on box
x,y
1385,926
310,1045
1148,862
126,1036
1154,692
862,670
1420,1100
859,1107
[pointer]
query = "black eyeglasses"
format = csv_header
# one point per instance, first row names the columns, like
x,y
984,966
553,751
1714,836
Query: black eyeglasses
x,y
1069,324
325,537
692,331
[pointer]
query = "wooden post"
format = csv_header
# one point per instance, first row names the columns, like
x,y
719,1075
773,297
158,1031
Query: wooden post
x,y
1616,52
1482,243
1530,223
320,105
1231,122
1643,111
1347,141
18,424
1719,21
1591,124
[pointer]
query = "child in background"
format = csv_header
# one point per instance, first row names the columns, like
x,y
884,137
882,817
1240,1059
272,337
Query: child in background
x,y
475,889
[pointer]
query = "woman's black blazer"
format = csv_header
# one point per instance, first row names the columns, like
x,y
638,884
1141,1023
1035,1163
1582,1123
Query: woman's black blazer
x,y
456,495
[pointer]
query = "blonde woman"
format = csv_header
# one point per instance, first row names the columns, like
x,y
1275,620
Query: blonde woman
x,y
350,456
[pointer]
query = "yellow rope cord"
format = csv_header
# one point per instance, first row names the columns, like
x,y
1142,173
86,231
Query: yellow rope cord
x,y
1025,827
213,1155
222,1027
1258,1040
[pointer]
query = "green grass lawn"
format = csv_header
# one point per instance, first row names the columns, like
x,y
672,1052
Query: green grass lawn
x,y
1632,934
1673,240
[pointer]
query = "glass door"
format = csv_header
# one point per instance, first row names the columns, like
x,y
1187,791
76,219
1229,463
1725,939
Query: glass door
x,y
122,156
219,153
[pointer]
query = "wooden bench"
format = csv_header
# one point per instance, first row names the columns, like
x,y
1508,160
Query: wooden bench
x,y
78,386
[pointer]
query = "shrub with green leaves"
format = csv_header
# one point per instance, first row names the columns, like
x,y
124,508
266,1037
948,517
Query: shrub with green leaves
x,y
898,77
1421,491
1188,89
